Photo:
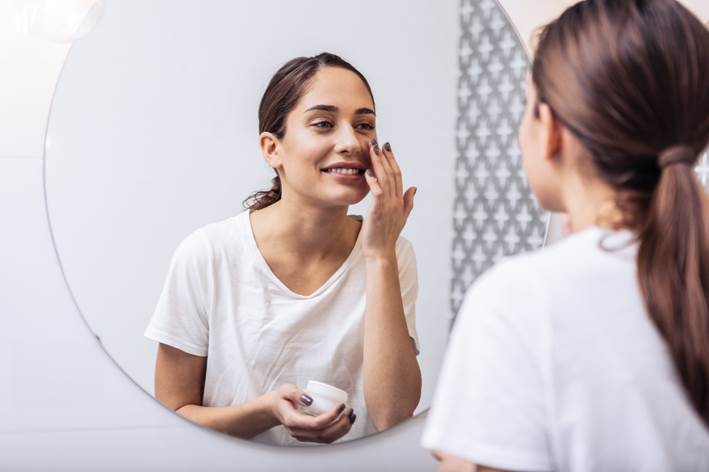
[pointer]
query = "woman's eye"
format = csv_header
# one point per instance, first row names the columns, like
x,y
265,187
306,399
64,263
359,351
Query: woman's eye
x,y
366,126
323,124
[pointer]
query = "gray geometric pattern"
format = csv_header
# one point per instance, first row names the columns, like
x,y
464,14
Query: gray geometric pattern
x,y
495,213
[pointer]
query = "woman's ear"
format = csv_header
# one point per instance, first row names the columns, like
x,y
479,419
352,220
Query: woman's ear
x,y
269,144
551,127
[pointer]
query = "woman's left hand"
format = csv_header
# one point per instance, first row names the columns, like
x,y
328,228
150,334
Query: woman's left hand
x,y
390,206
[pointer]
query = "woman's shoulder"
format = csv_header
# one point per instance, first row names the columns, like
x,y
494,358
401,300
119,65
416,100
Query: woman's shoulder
x,y
581,255
572,262
226,227
202,243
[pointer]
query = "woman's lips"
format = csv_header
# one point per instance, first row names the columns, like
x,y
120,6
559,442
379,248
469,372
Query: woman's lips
x,y
345,178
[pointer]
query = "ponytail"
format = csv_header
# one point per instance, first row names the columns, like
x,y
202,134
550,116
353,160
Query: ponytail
x,y
263,198
673,270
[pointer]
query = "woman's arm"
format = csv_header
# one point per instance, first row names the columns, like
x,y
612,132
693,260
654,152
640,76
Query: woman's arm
x,y
179,383
392,378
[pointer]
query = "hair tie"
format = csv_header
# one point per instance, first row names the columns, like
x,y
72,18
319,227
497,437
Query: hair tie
x,y
677,154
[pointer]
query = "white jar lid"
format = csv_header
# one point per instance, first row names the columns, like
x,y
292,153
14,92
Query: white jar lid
x,y
326,390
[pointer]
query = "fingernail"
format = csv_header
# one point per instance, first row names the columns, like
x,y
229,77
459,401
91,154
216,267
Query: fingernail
x,y
370,173
375,145
340,408
387,147
415,190
352,416
306,399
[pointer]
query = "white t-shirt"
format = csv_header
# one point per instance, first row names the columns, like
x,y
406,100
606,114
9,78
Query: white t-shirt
x,y
554,364
222,301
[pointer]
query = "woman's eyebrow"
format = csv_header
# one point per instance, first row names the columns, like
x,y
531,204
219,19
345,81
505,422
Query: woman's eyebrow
x,y
334,109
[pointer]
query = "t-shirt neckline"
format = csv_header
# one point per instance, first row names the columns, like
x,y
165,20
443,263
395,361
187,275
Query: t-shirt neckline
x,y
260,260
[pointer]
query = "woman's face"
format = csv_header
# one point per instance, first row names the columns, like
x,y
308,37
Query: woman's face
x,y
324,153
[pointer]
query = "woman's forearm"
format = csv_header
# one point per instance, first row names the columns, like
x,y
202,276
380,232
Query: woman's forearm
x,y
244,421
392,378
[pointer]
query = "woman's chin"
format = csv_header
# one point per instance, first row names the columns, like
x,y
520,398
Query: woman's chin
x,y
346,198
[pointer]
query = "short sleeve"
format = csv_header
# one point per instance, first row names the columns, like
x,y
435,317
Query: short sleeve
x,y
181,316
408,282
490,405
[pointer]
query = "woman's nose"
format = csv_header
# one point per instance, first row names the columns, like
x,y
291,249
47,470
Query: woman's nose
x,y
348,141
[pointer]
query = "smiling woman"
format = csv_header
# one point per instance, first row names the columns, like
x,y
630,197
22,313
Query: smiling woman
x,y
286,89
293,289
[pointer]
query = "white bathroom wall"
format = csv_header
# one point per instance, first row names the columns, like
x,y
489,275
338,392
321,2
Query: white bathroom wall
x,y
28,71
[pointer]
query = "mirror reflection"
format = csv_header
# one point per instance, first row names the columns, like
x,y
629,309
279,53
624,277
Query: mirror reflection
x,y
294,290
260,282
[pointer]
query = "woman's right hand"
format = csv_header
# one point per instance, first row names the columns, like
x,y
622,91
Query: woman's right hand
x,y
324,428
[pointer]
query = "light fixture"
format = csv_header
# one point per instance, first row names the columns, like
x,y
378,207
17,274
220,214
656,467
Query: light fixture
x,y
60,21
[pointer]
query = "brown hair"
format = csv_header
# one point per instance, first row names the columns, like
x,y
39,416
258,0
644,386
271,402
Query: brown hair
x,y
284,91
630,80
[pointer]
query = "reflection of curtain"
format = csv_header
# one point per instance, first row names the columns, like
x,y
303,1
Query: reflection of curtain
x,y
495,213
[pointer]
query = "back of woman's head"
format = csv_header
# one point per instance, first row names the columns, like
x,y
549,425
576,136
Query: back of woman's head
x,y
282,94
630,80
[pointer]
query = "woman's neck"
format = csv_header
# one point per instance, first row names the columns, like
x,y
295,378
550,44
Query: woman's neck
x,y
590,202
313,232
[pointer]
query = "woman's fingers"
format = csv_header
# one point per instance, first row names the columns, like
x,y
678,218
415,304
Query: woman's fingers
x,y
394,169
295,395
336,430
373,183
330,433
378,166
295,419
387,180
326,427
409,201
330,417
384,160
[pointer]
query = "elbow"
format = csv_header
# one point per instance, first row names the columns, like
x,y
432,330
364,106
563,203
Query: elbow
x,y
387,419
387,409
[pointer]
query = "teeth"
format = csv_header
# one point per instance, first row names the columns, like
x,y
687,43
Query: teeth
x,y
340,170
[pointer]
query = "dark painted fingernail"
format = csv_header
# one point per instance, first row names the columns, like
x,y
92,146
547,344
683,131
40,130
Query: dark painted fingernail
x,y
340,408
352,416
375,145
370,173
306,399
387,147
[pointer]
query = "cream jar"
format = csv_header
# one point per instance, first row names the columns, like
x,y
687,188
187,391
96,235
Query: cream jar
x,y
325,397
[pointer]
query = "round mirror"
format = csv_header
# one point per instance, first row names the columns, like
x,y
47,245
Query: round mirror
x,y
154,134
